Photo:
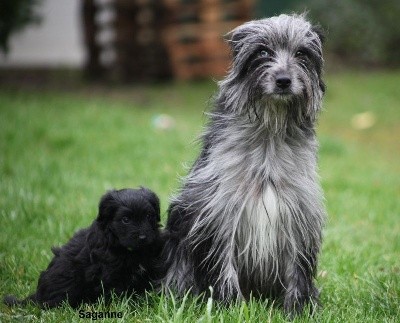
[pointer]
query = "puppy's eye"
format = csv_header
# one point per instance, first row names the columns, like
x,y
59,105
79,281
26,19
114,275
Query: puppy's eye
x,y
264,53
125,220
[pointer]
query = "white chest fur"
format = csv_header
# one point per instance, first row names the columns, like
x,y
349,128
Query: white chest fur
x,y
260,235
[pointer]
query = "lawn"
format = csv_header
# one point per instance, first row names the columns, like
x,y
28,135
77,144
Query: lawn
x,y
60,151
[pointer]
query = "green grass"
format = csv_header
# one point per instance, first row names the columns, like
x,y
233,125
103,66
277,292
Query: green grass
x,y
59,152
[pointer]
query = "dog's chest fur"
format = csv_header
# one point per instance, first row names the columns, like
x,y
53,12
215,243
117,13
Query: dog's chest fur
x,y
259,237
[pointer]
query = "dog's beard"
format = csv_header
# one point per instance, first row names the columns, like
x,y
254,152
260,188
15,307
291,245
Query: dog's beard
x,y
275,111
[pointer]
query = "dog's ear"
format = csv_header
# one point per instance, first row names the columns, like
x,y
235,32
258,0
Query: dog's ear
x,y
320,33
322,85
153,199
107,207
235,37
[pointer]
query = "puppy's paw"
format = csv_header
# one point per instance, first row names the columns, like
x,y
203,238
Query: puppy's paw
x,y
11,300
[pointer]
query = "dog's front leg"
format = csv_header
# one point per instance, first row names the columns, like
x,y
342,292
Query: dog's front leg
x,y
218,272
227,288
299,287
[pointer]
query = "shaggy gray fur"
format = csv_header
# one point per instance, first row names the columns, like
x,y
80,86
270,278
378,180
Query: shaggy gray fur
x,y
249,216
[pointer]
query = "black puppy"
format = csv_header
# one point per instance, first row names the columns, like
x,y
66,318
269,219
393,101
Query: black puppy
x,y
117,253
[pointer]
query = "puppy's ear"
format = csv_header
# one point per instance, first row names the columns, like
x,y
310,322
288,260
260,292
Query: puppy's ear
x,y
153,199
107,207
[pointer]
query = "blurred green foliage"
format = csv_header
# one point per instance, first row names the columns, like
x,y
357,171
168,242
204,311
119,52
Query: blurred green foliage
x,y
14,16
362,32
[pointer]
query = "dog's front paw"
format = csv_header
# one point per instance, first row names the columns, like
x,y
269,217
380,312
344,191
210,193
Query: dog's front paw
x,y
295,302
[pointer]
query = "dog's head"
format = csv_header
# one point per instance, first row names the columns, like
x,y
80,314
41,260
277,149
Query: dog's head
x,y
276,61
132,215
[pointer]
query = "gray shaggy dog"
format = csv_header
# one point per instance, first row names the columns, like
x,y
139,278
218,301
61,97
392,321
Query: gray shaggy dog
x,y
249,216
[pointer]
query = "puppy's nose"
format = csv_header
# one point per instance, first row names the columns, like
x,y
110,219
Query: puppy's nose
x,y
142,237
283,81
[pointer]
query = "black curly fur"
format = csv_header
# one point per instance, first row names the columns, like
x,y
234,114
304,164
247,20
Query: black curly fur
x,y
117,254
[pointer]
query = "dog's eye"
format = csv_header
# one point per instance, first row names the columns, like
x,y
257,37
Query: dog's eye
x,y
301,54
125,220
263,53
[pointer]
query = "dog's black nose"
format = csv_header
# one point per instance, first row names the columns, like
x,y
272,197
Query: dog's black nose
x,y
142,237
283,81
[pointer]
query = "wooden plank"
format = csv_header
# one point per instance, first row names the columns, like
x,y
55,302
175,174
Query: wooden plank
x,y
213,68
200,49
201,31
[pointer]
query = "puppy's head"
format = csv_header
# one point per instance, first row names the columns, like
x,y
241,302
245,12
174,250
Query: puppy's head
x,y
132,215
276,60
